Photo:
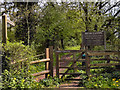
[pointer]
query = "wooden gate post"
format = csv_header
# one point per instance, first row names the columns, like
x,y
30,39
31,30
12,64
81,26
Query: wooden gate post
x,y
87,64
47,63
57,64
108,58
51,60
74,58
4,28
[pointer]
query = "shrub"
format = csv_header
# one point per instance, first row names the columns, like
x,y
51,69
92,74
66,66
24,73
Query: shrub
x,y
17,75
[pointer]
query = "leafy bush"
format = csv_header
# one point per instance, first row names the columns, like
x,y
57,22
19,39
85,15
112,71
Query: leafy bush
x,y
18,80
106,80
16,73
50,82
14,52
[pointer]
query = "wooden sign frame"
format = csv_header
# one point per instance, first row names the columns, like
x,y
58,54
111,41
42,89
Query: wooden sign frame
x,y
94,39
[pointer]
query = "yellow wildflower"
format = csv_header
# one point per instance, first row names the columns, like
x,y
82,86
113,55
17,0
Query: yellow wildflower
x,y
29,71
90,75
23,80
116,81
113,84
96,85
48,75
117,85
14,78
36,78
37,84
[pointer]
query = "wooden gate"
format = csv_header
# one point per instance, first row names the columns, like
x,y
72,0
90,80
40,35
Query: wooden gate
x,y
110,58
75,56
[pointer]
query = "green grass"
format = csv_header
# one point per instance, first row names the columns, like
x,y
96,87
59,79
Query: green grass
x,y
72,47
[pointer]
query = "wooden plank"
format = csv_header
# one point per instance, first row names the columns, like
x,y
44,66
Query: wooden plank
x,y
105,59
26,59
79,60
80,68
51,60
68,51
39,55
41,73
100,53
10,22
39,61
47,63
105,64
70,74
4,28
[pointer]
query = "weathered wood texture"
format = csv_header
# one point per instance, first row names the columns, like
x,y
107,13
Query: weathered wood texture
x,y
27,59
51,60
57,64
41,73
47,63
4,29
39,61
87,61
93,38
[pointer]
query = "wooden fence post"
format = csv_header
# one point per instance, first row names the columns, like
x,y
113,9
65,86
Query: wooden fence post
x,y
57,64
47,63
4,28
51,60
87,64
108,58
74,58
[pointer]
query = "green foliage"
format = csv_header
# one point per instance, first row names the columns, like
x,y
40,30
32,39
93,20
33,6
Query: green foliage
x,y
51,82
102,81
72,47
14,52
17,80
17,74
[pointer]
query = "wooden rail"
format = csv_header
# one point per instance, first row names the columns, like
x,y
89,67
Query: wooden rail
x,y
87,61
26,58
48,62
41,73
39,61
